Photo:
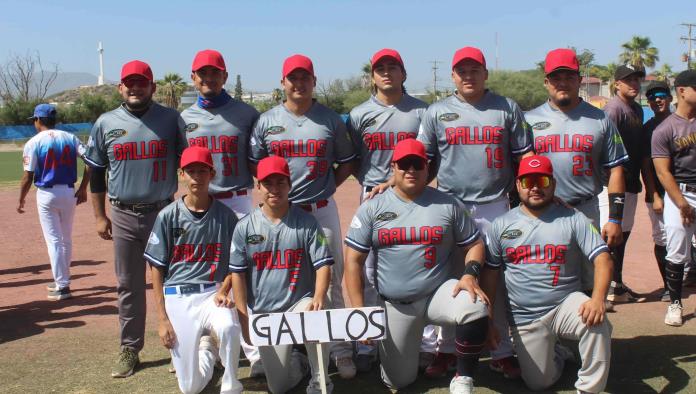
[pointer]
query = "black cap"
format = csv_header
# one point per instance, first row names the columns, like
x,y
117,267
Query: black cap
x,y
686,78
657,85
624,71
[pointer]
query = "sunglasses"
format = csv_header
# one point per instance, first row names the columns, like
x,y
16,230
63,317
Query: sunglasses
x,y
133,82
540,181
405,164
658,95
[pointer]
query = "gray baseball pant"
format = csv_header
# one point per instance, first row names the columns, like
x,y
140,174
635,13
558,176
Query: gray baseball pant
x,y
130,232
589,208
398,352
535,344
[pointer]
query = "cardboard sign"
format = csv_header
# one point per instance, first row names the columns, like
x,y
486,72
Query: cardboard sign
x,y
332,325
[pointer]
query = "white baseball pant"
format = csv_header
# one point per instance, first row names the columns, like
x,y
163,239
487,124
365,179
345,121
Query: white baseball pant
x,y
658,225
190,315
56,206
678,237
542,366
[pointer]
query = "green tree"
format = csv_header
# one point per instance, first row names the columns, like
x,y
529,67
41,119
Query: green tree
x,y
238,92
664,73
16,112
525,87
170,89
277,95
88,107
639,53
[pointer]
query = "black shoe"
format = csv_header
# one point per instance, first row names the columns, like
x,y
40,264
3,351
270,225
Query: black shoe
x,y
59,294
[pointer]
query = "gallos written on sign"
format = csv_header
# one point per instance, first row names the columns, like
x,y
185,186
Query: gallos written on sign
x,y
331,325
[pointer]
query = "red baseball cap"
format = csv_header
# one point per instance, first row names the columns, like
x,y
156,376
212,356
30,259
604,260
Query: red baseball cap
x,y
386,52
535,165
561,59
297,61
208,57
409,147
272,165
136,67
469,53
196,154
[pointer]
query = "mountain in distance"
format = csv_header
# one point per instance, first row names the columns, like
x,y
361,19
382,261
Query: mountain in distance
x,y
71,80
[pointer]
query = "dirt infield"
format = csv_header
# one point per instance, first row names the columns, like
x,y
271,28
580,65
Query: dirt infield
x,y
69,346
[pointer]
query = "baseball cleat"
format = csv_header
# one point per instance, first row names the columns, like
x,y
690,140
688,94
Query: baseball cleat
x,y
674,314
621,293
52,287
665,296
126,363
461,385
441,365
508,366
59,294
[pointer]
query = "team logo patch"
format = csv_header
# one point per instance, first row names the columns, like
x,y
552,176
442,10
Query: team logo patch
x,y
386,216
275,130
115,133
448,117
617,139
322,239
255,239
153,240
355,223
190,127
252,142
541,126
511,234
178,232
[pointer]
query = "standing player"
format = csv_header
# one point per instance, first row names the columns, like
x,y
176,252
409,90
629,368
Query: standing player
x,y
223,125
540,245
674,156
472,137
281,262
387,117
188,250
627,115
581,142
415,231
50,160
659,98
137,144
311,137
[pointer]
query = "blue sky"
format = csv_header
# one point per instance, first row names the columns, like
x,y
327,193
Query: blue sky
x,y
255,36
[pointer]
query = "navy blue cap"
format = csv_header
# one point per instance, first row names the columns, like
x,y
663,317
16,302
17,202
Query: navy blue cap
x,y
44,111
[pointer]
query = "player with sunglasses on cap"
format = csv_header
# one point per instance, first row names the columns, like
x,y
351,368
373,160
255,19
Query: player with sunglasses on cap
x,y
415,231
541,245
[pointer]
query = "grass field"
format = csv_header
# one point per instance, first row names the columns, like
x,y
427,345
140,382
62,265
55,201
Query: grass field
x,y
11,167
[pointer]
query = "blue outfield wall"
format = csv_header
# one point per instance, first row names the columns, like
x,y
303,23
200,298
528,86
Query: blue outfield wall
x,y
26,132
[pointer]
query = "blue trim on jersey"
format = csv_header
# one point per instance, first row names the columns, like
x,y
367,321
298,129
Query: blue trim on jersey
x,y
346,160
320,263
616,162
469,240
357,246
522,150
154,261
93,163
597,251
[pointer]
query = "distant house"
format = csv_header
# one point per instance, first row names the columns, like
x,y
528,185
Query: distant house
x,y
591,86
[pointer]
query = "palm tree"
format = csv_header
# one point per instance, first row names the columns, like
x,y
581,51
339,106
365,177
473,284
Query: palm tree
x,y
639,53
277,95
664,73
170,89
366,74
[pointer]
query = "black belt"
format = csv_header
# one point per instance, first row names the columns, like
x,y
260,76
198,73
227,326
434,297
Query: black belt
x,y
396,301
70,185
579,201
689,188
141,207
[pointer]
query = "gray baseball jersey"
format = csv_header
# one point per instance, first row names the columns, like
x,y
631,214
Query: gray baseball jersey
x,y
541,257
224,130
413,241
375,128
577,143
279,260
311,144
474,145
675,138
192,250
141,154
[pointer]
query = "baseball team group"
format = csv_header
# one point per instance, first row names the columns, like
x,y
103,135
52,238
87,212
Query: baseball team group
x,y
520,245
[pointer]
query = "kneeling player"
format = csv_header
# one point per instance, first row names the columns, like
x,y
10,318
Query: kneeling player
x,y
188,250
541,245
280,262
414,231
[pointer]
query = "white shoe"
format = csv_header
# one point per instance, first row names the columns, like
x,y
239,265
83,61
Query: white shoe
x,y
257,370
314,387
461,385
346,368
674,314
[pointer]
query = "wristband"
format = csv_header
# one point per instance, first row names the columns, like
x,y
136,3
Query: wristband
x,y
616,205
615,221
473,268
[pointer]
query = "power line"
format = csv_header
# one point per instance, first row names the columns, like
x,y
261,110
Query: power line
x,y
435,68
689,39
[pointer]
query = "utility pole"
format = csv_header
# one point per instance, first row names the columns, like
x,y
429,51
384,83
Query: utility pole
x,y
496,51
689,39
435,62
